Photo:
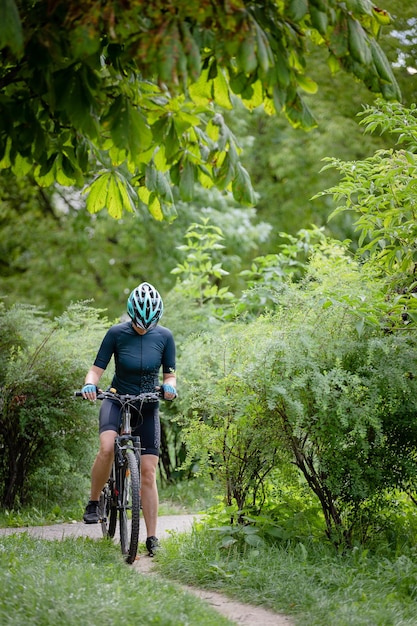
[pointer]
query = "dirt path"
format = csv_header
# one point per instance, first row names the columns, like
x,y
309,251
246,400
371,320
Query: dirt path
x,y
241,614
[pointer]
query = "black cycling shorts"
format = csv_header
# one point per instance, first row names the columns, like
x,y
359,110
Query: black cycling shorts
x,y
145,423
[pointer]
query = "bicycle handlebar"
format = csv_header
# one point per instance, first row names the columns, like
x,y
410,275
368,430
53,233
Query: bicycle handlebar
x,y
147,396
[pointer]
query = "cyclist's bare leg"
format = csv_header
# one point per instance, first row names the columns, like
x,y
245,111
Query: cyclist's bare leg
x,y
149,491
102,464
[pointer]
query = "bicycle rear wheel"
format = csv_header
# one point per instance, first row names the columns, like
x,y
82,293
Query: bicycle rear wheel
x,y
108,509
129,515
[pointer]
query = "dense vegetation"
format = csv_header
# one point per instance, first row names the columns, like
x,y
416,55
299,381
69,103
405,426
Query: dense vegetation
x,y
296,337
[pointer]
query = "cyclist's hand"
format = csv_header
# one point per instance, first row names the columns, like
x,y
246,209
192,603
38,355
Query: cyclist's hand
x,y
168,392
89,392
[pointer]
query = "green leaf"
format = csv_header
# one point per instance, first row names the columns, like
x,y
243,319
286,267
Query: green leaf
x,y
306,83
187,180
242,187
72,94
109,191
297,9
97,193
128,127
359,7
358,42
319,20
221,91
11,32
154,207
246,55
172,144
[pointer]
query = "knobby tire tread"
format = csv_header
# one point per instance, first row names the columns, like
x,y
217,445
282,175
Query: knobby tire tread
x,y
130,474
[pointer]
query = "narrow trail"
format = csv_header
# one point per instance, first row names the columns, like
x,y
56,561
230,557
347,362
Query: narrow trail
x,y
239,613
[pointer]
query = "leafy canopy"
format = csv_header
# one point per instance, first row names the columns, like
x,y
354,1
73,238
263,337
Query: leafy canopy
x,y
127,89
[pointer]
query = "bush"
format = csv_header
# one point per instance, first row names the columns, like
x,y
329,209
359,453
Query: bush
x,y
45,434
321,383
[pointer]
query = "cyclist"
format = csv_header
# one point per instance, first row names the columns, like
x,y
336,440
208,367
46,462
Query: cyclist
x,y
140,347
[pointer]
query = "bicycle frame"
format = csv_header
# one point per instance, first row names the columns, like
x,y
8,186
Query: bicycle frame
x,y
121,494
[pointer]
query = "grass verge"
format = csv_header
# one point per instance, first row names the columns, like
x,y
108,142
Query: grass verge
x,y
84,581
306,580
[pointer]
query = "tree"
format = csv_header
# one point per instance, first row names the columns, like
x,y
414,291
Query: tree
x,y
379,192
126,89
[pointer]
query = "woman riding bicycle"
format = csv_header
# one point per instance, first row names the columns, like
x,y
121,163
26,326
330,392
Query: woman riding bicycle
x,y
140,348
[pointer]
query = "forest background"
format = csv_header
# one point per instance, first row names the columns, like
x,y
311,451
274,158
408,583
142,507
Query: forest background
x,y
283,318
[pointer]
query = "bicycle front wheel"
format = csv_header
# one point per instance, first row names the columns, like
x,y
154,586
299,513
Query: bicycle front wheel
x,y
129,515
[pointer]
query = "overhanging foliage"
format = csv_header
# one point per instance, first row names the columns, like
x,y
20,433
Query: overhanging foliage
x,y
127,88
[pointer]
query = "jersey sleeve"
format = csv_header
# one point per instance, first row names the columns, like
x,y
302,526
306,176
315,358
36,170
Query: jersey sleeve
x,y
169,355
106,350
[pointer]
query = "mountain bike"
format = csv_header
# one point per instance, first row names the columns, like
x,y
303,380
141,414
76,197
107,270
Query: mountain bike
x,y
121,494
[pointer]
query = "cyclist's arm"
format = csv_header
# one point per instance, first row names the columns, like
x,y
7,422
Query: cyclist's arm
x,y
93,377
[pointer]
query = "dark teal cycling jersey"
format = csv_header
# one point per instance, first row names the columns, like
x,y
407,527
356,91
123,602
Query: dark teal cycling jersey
x,y
137,358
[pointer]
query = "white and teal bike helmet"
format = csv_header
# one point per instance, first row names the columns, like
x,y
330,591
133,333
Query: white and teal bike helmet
x,y
145,306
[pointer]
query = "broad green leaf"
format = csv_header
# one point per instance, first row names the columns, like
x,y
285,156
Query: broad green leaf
x,y
382,16
242,187
144,194
201,91
263,49
109,191
360,7
300,115
256,97
221,91
127,194
21,166
246,56
187,180
97,192
358,42
172,144
159,159
73,95
205,178
64,171
154,207
297,9
114,203
225,173
319,20
128,128
163,187
306,83
11,33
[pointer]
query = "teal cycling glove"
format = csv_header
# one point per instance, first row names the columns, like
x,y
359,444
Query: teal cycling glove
x,y
168,389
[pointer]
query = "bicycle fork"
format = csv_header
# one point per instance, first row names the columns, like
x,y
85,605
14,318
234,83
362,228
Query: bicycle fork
x,y
122,444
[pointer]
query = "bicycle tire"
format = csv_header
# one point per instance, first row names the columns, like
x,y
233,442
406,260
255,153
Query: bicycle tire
x,y
129,501
108,509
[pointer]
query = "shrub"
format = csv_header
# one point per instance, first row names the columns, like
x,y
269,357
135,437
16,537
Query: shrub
x,y
44,433
320,382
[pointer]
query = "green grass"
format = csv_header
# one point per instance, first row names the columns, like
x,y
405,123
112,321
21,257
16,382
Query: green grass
x,y
300,575
81,581
306,580
187,497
